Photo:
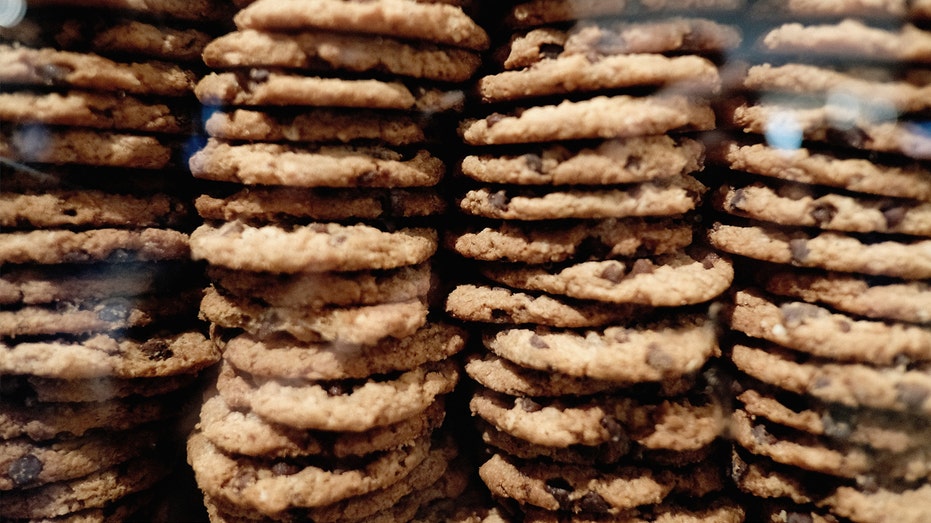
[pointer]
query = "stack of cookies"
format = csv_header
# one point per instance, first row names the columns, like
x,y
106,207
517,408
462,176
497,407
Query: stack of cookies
x,y
576,213
99,344
320,229
828,201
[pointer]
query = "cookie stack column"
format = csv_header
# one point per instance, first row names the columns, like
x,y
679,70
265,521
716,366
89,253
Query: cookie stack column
x,y
577,211
828,202
320,229
99,344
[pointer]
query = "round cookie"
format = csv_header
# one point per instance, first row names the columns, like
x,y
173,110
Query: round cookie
x,y
100,209
620,116
333,406
364,324
825,250
908,301
849,39
355,53
315,125
316,289
612,161
312,248
109,245
284,358
444,24
665,197
668,280
504,306
544,242
656,351
315,165
86,147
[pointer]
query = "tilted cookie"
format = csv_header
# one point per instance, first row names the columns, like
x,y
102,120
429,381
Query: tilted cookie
x,y
656,351
363,324
356,53
630,160
665,197
86,147
829,250
532,13
312,248
818,331
314,165
110,245
607,453
620,116
54,390
908,301
81,208
668,280
850,38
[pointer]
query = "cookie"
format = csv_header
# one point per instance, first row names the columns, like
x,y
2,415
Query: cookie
x,y
333,406
665,197
821,167
656,351
245,433
311,248
806,9
875,84
83,390
314,166
606,453
108,245
581,489
850,384
673,424
443,24
806,206
316,289
629,160
314,125
198,10
599,73
829,250
26,464
873,298
558,242
850,39
53,68
818,331
543,12
668,280
355,53
505,306
620,116
270,203
704,511
110,355
261,87
283,358
96,110
86,147
605,38
74,208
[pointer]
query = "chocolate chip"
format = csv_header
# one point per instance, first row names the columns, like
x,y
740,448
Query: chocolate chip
x,y
338,239
761,435
739,197
114,311
821,382
336,389
708,260
285,469
823,213
25,470
534,162
795,313
614,273
494,118
622,336
798,517
739,469
560,489
551,50
615,430
611,43
844,326
156,350
641,266
633,162
538,343
912,395
53,74
593,503
868,483
529,405
259,75
852,136
499,200
799,249
658,358
593,56
319,227
894,215
835,427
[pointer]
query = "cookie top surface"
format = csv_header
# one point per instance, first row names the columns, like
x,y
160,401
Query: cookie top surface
x,y
115,245
363,324
50,67
631,160
313,248
356,53
620,116
439,23
806,206
79,146
665,197
892,300
633,354
315,165
557,242
352,406
283,358
315,125
668,280
103,355
850,39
